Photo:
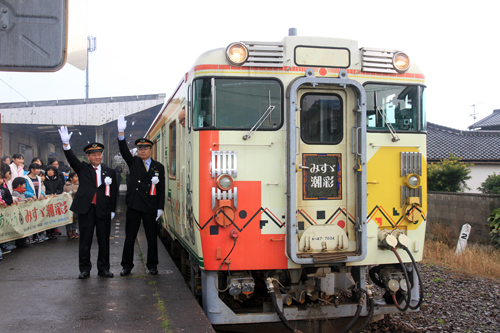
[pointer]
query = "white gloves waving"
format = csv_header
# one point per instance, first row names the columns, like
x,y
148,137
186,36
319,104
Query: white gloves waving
x,y
160,211
122,124
65,137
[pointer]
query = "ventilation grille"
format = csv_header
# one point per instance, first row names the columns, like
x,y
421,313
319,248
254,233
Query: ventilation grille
x,y
224,162
262,54
377,60
411,162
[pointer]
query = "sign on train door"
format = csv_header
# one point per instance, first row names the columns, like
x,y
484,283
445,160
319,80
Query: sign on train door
x,y
323,197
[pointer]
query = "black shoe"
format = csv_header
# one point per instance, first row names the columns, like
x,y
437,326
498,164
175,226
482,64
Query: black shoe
x,y
125,272
153,271
106,274
84,275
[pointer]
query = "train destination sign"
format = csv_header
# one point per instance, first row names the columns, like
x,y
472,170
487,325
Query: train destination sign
x,y
323,178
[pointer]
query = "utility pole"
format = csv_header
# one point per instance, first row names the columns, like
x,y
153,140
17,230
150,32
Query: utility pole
x,y
91,46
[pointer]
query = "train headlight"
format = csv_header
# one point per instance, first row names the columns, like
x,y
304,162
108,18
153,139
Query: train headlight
x,y
401,62
236,53
224,182
412,180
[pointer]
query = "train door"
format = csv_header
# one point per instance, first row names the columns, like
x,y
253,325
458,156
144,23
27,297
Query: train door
x,y
323,195
327,196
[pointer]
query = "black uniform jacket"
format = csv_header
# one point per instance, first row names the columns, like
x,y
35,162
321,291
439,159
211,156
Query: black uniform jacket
x,y
85,193
139,186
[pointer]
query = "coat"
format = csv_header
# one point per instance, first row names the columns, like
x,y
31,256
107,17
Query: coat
x,y
30,188
105,205
53,185
139,185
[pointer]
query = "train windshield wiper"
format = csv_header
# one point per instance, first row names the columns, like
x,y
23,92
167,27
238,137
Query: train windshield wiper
x,y
259,122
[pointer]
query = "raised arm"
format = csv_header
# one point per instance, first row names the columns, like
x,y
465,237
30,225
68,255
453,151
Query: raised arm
x,y
73,161
122,143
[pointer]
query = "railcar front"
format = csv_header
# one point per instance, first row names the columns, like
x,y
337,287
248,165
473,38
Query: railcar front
x,y
301,165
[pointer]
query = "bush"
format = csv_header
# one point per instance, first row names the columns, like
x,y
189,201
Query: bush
x,y
491,185
494,220
449,175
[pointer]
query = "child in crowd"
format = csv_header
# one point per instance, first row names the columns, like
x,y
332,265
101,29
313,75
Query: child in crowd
x,y
6,201
72,186
53,185
7,176
42,177
34,191
17,166
18,190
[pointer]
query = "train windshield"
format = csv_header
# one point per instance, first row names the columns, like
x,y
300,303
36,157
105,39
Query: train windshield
x,y
398,106
236,103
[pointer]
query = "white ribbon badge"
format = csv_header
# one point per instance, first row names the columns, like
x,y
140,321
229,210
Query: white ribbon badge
x,y
154,181
108,182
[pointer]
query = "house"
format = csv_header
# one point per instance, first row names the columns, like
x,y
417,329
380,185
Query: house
x,y
480,147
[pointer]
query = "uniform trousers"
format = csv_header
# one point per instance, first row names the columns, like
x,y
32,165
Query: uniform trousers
x,y
133,223
87,223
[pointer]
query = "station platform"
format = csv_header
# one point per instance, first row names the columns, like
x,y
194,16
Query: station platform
x,y
40,290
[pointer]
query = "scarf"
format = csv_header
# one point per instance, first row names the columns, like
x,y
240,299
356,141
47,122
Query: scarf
x,y
20,189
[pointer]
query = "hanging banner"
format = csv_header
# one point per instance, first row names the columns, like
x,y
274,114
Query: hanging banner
x,y
28,218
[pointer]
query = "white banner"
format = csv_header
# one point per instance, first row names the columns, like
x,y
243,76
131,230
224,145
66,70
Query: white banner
x,y
27,218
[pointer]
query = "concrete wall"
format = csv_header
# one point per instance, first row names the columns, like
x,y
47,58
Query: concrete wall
x,y
456,209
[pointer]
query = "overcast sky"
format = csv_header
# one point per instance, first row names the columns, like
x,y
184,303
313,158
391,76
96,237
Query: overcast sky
x,y
145,47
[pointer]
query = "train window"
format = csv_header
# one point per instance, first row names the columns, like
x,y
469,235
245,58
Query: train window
x,y
321,119
236,103
396,106
171,151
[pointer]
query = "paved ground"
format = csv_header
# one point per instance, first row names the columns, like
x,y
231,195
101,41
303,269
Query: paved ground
x,y
39,291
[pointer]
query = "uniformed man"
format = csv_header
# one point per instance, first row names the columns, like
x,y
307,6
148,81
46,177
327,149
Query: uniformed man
x,y
94,201
145,199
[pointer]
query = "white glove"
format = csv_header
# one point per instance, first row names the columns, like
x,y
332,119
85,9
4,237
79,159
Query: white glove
x,y
122,124
160,211
112,215
65,137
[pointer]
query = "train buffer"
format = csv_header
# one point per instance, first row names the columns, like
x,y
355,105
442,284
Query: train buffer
x,y
40,290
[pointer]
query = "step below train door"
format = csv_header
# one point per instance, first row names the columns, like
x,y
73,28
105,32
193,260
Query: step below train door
x,y
327,208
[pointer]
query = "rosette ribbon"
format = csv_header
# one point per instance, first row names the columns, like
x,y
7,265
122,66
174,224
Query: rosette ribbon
x,y
108,182
154,181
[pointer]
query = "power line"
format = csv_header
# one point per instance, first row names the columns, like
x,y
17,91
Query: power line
x,y
14,89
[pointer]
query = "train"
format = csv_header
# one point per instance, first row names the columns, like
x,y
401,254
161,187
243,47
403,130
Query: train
x,y
296,181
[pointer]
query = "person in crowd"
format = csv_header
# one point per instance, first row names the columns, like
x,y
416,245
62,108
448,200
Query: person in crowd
x,y
6,160
37,160
62,178
5,192
34,191
42,177
72,186
34,182
17,166
145,199
6,198
53,185
64,169
7,176
18,190
95,203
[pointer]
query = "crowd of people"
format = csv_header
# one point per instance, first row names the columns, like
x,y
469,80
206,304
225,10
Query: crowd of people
x,y
21,182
